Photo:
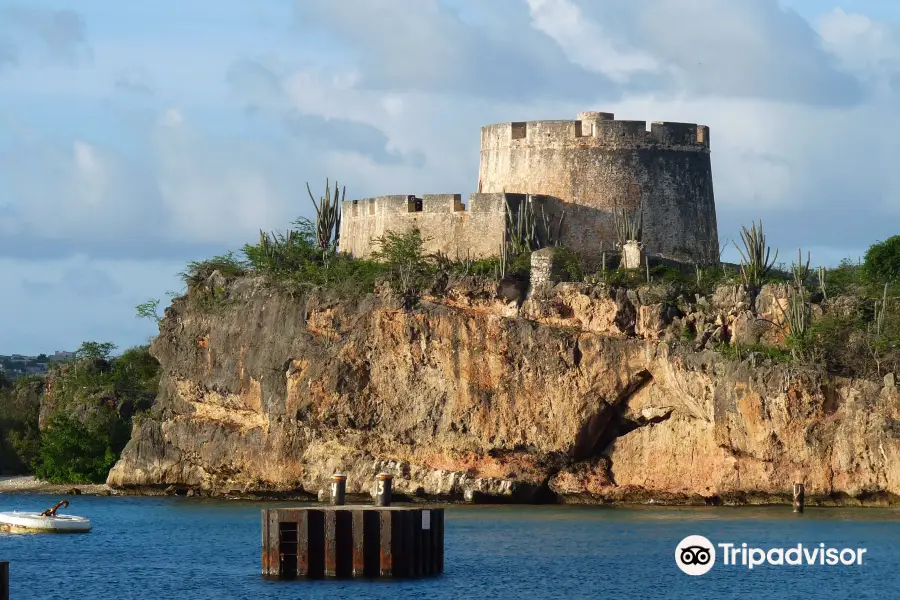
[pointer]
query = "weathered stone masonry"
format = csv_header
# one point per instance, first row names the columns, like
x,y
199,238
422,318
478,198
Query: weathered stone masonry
x,y
446,224
587,167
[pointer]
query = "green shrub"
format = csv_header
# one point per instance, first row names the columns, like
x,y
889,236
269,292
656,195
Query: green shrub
x,y
136,372
571,265
226,264
485,267
845,279
20,404
293,261
882,261
408,268
862,344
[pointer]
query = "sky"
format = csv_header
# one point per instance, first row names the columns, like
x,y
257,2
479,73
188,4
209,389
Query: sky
x,y
135,137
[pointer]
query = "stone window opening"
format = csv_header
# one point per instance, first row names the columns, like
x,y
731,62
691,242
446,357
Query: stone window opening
x,y
519,131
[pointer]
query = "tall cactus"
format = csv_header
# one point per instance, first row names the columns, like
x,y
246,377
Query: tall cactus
x,y
755,263
822,282
629,224
522,229
328,216
798,317
799,271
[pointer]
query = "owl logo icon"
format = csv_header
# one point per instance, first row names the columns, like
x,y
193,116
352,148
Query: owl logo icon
x,y
695,555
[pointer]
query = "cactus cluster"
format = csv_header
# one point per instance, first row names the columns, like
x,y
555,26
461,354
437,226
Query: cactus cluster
x,y
523,232
755,263
328,216
629,224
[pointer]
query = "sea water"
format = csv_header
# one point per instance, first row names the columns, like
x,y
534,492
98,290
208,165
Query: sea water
x,y
160,548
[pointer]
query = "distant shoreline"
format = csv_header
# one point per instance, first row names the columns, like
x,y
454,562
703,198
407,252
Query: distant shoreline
x,y
29,483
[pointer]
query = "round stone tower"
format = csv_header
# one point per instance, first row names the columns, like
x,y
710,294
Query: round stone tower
x,y
596,164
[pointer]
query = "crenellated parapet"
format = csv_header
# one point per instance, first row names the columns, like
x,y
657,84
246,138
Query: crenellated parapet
x,y
596,164
447,224
411,204
598,129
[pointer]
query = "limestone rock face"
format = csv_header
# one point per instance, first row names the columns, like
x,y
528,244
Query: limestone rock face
x,y
579,395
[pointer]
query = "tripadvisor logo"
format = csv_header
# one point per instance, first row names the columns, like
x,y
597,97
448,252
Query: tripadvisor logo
x,y
696,555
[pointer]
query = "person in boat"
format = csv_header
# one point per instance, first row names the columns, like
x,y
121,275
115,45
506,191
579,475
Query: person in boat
x,y
51,512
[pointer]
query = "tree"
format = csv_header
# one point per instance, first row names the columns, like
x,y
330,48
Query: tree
x,y
76,452
882,262
20,404
136,372
95,350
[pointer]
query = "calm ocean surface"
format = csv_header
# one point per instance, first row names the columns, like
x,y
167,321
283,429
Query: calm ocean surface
x,y
161,548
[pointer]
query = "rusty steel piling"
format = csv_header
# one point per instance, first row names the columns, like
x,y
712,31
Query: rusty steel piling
x,y
352,541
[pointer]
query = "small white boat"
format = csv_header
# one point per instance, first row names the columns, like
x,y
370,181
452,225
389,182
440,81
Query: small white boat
x,y
45,522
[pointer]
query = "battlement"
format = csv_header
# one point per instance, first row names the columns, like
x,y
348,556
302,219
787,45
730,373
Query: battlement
x,y
447,225
598,129
402,204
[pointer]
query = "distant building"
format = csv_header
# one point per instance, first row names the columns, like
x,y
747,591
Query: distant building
x,y
17,365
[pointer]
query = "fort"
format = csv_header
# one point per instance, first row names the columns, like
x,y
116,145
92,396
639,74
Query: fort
x,y
580,173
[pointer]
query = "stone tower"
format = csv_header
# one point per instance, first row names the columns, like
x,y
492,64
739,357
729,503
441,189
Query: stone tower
x,y
596,163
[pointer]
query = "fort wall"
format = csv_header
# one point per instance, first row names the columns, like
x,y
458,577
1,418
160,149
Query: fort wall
x,y
475,229
586,167
596,163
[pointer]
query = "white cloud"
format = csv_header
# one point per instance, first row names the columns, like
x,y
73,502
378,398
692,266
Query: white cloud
x,y
803,120
587,44
91,175
867,47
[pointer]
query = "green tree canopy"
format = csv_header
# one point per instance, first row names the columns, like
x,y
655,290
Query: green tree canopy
x,y
95,350
882,262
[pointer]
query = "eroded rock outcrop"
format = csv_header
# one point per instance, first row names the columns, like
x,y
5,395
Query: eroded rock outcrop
x,y
580,394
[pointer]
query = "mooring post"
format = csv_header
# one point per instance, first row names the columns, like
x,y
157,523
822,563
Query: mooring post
x,y
383,489
338,489
799,497
4,581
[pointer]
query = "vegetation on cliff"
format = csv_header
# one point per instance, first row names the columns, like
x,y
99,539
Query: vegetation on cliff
x,y
846,318
20,405
71,426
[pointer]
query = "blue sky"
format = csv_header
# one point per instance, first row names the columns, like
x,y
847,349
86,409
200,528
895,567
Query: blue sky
x,y
137,136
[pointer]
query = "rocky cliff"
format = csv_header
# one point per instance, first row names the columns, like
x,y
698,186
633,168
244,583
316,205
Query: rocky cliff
x,y
580,393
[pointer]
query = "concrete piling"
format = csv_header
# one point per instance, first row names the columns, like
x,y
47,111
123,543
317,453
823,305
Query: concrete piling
x,y
799,497
352,541
383,489
338,489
